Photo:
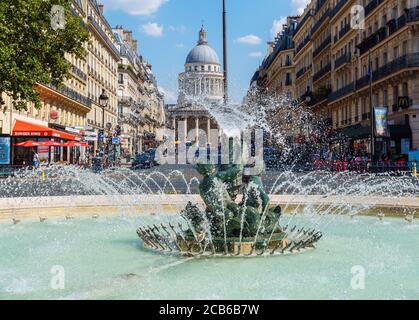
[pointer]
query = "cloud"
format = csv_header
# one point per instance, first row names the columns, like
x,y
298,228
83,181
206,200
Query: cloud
x,y
277,26
180,29
152,29
180,45
250,39
257,54
170,96
135,7
299,5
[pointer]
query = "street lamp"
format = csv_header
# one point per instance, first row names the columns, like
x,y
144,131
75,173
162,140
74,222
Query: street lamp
x,y
103,102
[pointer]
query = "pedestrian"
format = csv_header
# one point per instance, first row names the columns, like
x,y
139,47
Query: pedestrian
x,y
35,159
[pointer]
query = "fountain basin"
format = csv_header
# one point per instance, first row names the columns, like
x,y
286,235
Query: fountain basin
x,y
104,259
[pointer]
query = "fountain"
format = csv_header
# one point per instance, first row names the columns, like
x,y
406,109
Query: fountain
x,y
225,227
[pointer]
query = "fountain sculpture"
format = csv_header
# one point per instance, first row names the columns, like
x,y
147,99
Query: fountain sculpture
x,y
227,226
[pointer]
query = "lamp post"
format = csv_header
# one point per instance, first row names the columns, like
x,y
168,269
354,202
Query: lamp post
x,y
225,56
103,102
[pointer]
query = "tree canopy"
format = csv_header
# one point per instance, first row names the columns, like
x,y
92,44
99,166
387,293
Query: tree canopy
x,y
32,47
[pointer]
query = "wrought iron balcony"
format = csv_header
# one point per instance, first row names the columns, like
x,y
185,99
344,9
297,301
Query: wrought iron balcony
x,y
302,71
344,30
411,15
303,21
342,91
70,93
319,23
103,35
371,6
78,73
338,6
302,44
319,74
322,46
320,96
404,62
342,60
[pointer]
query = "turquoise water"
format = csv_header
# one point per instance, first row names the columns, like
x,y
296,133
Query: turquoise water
x,y
104,259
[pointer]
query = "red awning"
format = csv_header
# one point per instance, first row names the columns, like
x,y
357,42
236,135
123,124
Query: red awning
x,y
25,129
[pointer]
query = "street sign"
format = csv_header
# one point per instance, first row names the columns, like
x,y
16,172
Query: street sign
x,y
5,150
115,140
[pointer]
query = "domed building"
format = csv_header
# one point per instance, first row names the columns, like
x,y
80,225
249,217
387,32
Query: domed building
x,y
200,85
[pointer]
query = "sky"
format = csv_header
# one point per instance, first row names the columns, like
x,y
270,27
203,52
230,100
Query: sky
x,y
168,29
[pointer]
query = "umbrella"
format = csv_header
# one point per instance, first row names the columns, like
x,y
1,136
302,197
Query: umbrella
x,y
28,144
75,144
51,143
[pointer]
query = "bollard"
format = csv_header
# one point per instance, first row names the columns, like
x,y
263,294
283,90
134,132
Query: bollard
x,y
414,170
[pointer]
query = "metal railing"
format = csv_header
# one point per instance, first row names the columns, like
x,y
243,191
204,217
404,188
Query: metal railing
x,y
103,34
322,46
319,74
74,95
342,91
319,23
342,60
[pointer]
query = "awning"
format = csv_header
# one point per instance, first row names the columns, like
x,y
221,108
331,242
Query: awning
x,y
400,131
26,129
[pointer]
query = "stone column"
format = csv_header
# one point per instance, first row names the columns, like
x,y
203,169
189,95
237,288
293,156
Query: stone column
x,y
208,130
197,129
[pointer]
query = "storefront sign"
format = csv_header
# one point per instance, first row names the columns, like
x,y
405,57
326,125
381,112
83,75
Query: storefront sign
x,y
381,122
5,150
403,102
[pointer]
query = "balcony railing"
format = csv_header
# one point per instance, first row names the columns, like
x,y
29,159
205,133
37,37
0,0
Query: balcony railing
x,y
338,6
301,23
322,46
342,60
411,15
70,93
342,92
78,73
103,34
322,72
320,96
302,44
344,30
404,62
322,19
371,6
302,71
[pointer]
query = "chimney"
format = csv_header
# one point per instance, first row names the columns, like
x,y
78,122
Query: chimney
x,y
100,6
270,47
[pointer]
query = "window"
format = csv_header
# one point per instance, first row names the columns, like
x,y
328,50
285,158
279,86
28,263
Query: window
x,y
385,98
209,68
395,94
202,68
404,48
396,52
385,58
405,89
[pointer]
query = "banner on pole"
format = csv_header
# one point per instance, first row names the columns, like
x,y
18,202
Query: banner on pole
x,y
381,122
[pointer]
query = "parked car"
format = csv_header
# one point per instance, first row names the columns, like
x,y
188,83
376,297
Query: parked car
x,y
146,160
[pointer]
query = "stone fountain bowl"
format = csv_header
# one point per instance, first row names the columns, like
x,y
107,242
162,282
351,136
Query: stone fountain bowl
x,y
160,239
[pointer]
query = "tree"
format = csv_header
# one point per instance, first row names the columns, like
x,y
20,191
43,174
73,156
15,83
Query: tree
x,y
32,48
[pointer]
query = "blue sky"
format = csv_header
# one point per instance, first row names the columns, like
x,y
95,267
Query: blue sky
x,y
168,29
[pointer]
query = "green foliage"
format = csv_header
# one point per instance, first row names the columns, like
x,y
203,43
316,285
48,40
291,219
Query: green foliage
x,y
32,52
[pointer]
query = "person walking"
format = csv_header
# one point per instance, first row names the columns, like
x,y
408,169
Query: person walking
x,y
35,159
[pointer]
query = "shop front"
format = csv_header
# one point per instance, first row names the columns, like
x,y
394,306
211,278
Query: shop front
x,y
24,131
